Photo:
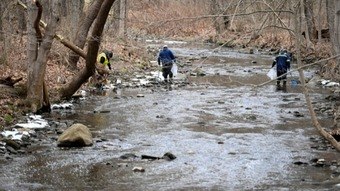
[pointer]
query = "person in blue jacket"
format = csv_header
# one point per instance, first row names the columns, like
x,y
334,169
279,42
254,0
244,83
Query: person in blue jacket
x,y
166,58
282,62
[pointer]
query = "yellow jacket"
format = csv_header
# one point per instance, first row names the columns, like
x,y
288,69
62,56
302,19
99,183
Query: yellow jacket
x,y
106,62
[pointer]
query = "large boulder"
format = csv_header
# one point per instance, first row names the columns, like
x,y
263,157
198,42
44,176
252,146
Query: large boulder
x,y
78,135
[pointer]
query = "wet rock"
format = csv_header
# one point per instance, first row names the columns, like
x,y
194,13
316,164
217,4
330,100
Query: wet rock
x,y
7,157
11,150
169,156
78,135
337,186
298,114
12,144
251,117
300,163
128,156
148,157
138,169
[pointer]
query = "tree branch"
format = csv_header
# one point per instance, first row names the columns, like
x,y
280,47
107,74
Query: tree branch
x,y
220,15
60,38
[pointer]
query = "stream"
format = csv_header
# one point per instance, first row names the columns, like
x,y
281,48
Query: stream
x,y
226,134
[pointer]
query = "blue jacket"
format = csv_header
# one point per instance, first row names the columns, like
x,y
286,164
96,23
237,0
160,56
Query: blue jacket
x,y
282,63
165,56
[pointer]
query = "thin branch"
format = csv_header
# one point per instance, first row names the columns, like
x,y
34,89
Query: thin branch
x,y
219,15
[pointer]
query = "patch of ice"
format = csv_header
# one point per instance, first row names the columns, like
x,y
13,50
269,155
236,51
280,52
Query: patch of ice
x,y
143,81
34,122
62,106
109,87
14,134
328,83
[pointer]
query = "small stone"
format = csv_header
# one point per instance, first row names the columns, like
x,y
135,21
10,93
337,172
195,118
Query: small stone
x,y
128,155
138,169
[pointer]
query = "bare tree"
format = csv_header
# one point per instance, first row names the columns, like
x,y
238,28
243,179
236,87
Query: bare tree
x,y
122,18
92,51
333,14
39,48
309,14
1,11
83,30
315,121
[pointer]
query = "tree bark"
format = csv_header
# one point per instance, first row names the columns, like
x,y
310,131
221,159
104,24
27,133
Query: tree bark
x,y
1,11
60,38
319,21
336,41
92,51
333,17
36,87
83,31
122,18
309,14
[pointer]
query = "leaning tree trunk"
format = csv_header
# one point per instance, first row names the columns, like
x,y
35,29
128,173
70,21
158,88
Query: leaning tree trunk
x,y
92,51
83,29
36,88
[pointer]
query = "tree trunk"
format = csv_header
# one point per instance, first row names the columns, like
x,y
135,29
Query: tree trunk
x,y
309,14
303,25
38,60
319,22
333,17
214,10
122,18
83,30
1,11
21,20
336,41
92,51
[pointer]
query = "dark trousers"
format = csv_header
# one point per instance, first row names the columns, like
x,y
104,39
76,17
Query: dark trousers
x,y
167,72
284,77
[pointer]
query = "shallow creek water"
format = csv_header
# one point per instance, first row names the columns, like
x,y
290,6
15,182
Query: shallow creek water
x,y
226,135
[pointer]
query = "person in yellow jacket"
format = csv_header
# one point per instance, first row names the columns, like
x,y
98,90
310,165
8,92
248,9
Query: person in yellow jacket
x,y
103,63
